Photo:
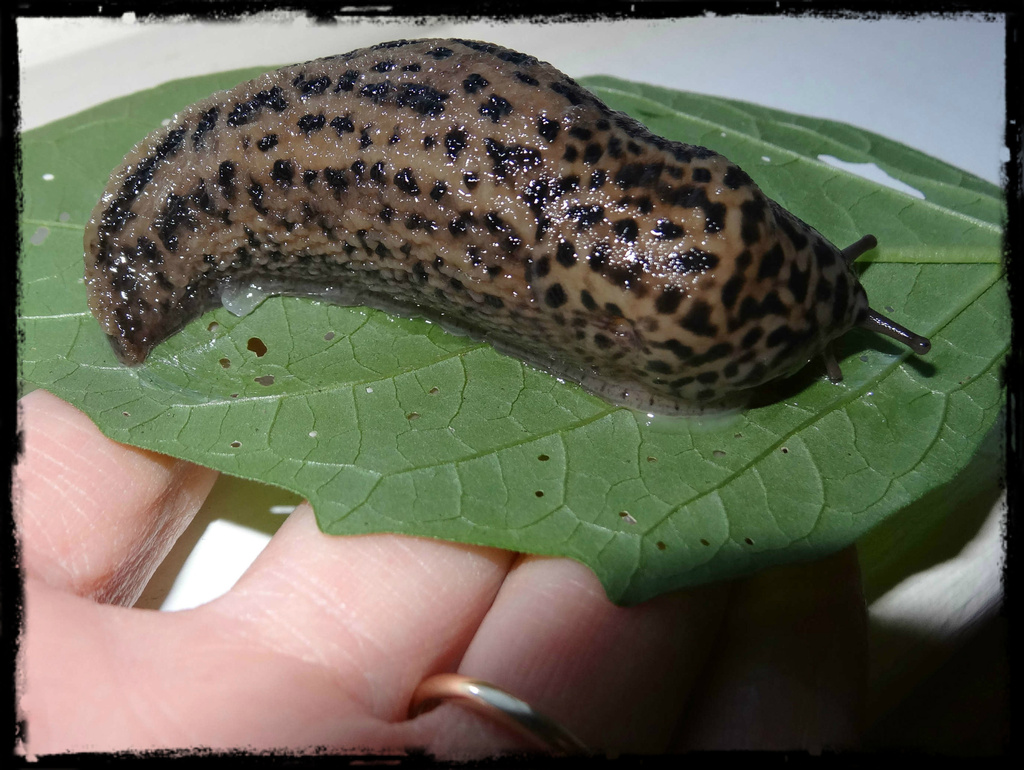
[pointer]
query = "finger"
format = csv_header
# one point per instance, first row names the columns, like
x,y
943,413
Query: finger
x,y
105,678
375,614
96,517
615,677
791,664
319,644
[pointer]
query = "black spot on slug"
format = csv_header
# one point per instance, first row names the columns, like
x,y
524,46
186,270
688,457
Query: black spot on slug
x,y
283,172
585,216
474,83
627,230
566,254
256,197
666,230
343,125
495,108
700,174
313,87
668,301
511,159
377,92
226,179
406,182
455,142
310,123
204,126
693,261
422,99
735,178
598,257
555,296
347,81
797,283
731,290
336,178
548,128
771,263
698,319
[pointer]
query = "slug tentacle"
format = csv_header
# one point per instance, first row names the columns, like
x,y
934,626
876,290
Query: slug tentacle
x,y
854,250
473,184
835,374
879,323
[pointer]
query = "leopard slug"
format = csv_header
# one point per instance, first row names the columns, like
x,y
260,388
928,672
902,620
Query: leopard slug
x,y
472,184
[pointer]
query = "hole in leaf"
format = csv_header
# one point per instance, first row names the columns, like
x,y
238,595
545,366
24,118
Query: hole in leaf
x,y
543,458
703,541
236,444
126,414
39,235
873,173
226,363
266,379
257,346
329,336
434,391
312,434
626,517
785,451
412,416
748,541
539,493
652,459
661,546
718,453
213,327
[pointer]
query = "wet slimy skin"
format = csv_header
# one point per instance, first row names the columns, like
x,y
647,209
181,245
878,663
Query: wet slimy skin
x,y
476,185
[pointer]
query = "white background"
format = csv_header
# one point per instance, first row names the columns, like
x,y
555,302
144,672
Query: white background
x,y
934,84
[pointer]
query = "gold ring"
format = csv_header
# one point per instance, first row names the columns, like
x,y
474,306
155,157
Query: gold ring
x,y
498,705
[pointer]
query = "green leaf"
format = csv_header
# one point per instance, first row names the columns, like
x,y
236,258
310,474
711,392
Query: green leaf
x,y
392,424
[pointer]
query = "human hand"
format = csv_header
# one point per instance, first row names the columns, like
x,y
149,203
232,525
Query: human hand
x,y
324,639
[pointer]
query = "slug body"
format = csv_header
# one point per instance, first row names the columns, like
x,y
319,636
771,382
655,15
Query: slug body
x,y
479,186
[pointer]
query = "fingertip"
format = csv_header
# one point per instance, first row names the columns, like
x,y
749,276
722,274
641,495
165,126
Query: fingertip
x,y
95,516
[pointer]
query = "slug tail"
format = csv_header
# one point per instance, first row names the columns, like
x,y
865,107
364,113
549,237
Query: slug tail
x,y
875,321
